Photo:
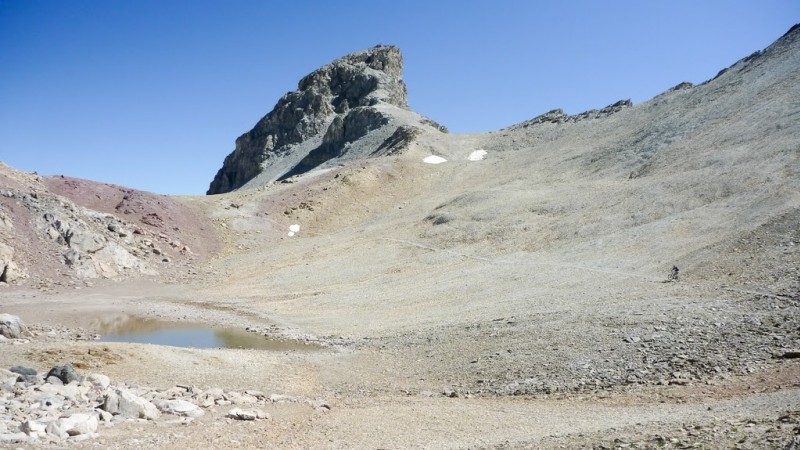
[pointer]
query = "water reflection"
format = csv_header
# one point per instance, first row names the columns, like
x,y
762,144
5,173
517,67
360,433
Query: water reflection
x,y
187,334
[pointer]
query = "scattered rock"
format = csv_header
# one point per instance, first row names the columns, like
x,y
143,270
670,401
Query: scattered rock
x,y
47,411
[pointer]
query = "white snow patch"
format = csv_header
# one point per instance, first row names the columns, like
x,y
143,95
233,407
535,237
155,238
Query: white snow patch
x,y
477,155
295,228
433,159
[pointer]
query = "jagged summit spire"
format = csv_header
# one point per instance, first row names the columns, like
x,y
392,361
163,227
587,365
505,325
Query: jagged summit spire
x,y
359,80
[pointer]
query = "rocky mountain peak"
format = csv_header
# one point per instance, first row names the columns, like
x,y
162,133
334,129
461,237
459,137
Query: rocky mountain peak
x,y
364,78
343,94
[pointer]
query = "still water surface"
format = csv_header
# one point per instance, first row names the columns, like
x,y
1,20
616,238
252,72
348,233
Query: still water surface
x,y
186,334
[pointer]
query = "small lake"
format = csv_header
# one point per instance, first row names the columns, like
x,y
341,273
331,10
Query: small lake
x,y
190,335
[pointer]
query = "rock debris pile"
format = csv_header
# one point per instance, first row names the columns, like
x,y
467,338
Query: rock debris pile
x,y
63,405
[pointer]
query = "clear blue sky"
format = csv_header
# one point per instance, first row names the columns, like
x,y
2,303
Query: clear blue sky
x,y
151,94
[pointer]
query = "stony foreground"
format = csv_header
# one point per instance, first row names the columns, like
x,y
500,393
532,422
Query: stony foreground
x,y
66,406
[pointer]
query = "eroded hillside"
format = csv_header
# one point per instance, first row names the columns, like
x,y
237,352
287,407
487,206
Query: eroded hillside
x,y
60,231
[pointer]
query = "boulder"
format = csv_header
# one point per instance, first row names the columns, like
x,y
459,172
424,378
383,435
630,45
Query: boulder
x,y
97,380
66,374
77,424
12,327
25,374
72,391
127,404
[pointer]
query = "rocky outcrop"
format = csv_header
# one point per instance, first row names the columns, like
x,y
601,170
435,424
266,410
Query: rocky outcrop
x,y
343,129
55,230
558,116
91,246
334,106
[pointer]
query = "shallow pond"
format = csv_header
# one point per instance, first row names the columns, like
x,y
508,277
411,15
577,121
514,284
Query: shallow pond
x,y
187,334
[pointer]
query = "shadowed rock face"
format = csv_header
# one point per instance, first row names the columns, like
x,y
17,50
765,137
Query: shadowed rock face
x,y
336,101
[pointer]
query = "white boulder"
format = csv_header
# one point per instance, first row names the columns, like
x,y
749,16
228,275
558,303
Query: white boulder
x,y
97,380
127,404
12,326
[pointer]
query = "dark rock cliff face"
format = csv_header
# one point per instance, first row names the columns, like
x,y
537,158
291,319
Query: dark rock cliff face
x,y
336,102
344,128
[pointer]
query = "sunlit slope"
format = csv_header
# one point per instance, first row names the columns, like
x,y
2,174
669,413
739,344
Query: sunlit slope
x,y
557,213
